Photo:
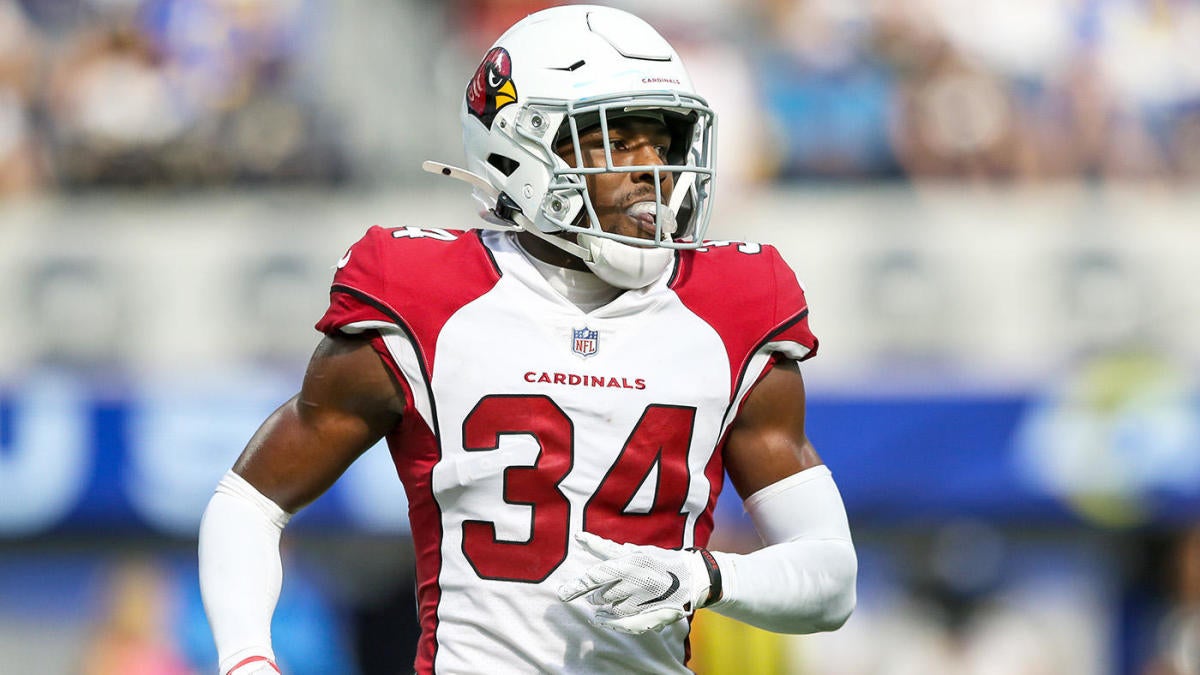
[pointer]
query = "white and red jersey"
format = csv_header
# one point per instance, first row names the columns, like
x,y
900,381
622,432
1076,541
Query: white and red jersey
x,y
529,420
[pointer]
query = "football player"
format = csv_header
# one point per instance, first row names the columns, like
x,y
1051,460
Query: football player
x,y
563,388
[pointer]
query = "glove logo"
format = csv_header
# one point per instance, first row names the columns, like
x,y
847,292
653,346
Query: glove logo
x,y
625,575
492,87
669,592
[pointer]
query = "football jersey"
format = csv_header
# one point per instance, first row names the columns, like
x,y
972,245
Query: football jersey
x,y
528,420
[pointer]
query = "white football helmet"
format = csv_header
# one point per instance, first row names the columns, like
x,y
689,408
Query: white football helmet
x,y
559,72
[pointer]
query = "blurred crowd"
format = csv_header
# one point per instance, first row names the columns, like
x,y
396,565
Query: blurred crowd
x,y
984,89
214,92
141,92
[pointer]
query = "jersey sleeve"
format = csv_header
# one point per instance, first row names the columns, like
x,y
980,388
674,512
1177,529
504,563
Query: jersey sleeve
x,y
357,297
791,335
750,297
408,281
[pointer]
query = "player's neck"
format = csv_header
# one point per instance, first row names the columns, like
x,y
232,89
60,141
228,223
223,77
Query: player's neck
x,y
582,288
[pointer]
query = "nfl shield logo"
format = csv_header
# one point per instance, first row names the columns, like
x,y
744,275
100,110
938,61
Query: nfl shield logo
x,y
585,341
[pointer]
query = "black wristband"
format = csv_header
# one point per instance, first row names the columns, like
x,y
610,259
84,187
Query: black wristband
x,y
714,575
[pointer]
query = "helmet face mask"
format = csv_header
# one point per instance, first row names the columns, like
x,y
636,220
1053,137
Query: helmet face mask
x,y
689,162
559,73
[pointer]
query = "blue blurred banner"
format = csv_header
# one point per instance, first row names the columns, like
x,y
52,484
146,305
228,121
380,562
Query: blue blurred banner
x,y
1021,459
95,455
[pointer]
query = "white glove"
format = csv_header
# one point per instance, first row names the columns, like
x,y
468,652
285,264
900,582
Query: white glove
x,y
639,588
258,666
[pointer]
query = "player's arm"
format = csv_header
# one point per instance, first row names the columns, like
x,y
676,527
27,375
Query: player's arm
x,y
347,402
802,581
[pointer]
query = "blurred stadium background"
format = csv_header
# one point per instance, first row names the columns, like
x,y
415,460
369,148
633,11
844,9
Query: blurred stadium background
x,y
994,205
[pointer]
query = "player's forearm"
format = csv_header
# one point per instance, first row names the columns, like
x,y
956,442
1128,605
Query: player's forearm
x,y
795,587
240,569
804,580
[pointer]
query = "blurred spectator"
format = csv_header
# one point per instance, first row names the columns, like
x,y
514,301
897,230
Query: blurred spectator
x,y
22,165
133,634
236,67
827,97
113,113
172,92
1178,649
956,120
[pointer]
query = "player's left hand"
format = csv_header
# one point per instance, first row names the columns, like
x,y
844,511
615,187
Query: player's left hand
x,y
638,588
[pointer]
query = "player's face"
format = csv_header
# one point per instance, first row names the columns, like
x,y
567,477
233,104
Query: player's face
x,y
634,141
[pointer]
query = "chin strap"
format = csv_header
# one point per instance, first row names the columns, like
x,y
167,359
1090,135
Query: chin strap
x,y
568,246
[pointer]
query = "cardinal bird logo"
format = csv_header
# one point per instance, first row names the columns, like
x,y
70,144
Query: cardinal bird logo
x,y
492,87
